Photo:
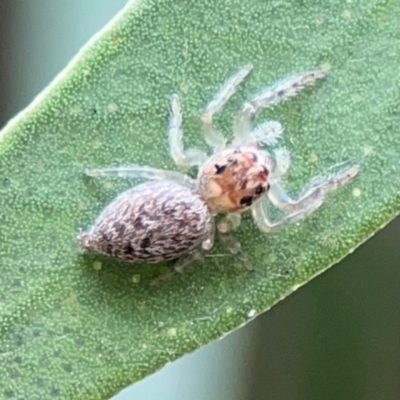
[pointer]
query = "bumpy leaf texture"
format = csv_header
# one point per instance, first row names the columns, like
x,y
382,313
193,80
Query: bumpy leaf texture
x,y
75,326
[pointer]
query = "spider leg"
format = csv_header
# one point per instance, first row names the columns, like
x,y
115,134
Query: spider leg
x,y
270,96
187,259
179,266
282,162
225,226
196,254
265,224
229,223
314,194
213,137
139,171
234,246
308,201
182,157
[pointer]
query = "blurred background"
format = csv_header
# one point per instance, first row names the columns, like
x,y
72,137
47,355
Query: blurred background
x,y
337,338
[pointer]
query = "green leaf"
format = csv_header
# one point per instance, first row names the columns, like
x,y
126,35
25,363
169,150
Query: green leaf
x,y
75,326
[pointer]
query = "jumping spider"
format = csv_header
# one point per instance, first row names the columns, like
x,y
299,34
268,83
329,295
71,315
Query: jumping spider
x,y
172,215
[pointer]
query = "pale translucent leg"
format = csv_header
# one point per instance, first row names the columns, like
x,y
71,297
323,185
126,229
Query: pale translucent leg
x,y
229,223
271,96
182,157
265,224
309,200
188,259
196,254
213,137
234,246
282,162
179,266
208,243
314,194
140,171
225,226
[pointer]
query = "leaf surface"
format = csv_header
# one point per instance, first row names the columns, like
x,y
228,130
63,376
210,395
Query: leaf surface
x,y
84,327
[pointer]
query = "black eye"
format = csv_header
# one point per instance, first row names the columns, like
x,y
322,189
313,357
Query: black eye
x,y
259,189
254,157
246,201
219,169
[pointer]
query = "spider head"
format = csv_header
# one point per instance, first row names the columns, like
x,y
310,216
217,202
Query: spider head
x,y
232,180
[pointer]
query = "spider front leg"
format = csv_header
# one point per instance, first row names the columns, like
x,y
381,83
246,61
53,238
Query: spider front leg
x,y
271,96
309,200
182,157
213,137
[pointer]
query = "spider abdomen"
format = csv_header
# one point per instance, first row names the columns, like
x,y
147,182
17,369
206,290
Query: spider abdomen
x,y
152,222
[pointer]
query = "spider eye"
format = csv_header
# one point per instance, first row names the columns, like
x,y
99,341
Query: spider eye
x,y
254,157
246,201
259,189
219,169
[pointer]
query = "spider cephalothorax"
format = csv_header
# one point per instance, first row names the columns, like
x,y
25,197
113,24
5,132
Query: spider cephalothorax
x,y
173,216
232,180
